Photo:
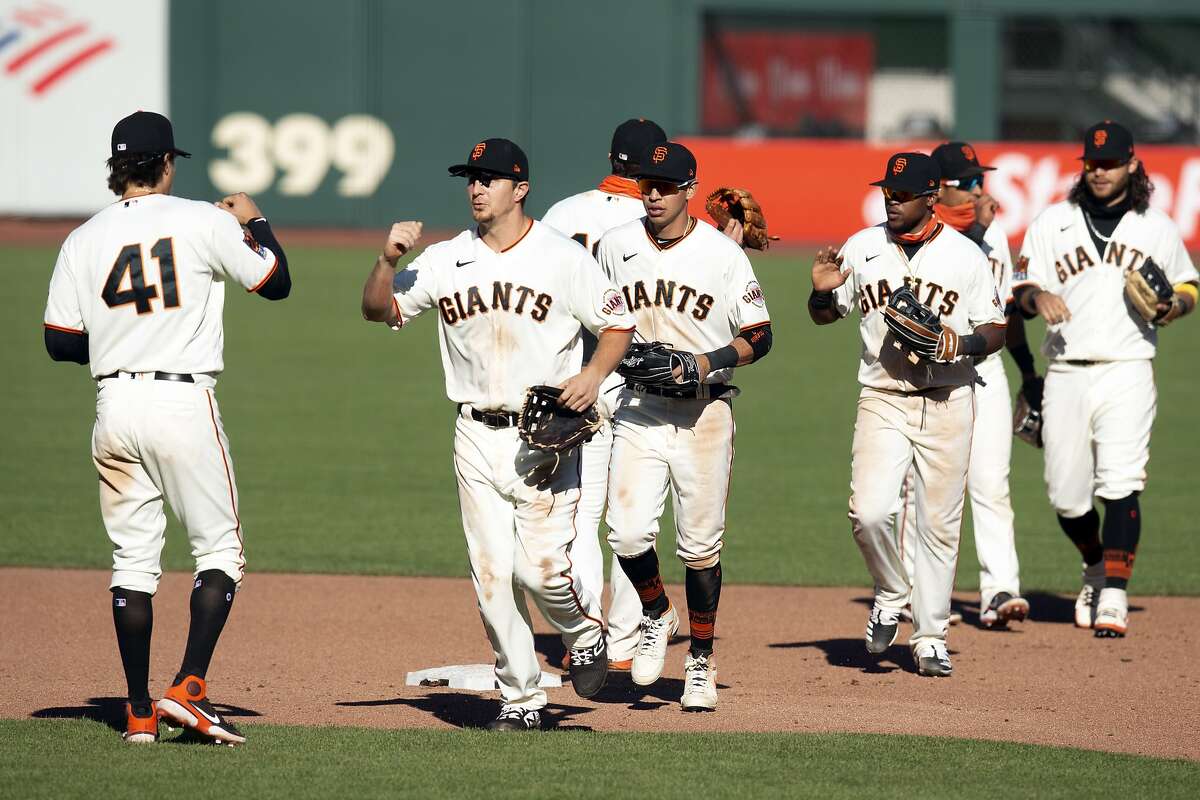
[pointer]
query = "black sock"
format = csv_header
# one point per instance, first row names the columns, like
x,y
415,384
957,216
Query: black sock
x,y
703,597
1084,532
133,617
212,597
642,571
1122,530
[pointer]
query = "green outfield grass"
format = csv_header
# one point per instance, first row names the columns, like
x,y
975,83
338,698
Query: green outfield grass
x,y
86,759
341,437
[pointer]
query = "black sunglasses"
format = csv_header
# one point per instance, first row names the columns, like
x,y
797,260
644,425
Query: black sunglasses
x,y
901,196
1091,165
483,178
665,188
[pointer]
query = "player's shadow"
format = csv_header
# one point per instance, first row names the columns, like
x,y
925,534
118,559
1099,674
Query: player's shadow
x,y
852,654
110,711
464,710
551,648
621,690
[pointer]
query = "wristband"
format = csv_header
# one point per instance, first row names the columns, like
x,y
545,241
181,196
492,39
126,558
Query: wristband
x,y
972,344
1189,290
820,300
722,358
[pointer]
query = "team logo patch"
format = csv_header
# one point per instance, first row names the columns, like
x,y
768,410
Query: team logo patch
x,y
659,155
1021,270
1099,138
477,153
899,166
753,294
969,152
254,245
612,303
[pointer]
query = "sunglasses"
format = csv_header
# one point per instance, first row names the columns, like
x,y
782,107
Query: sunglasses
x,y
900,196
1090,165
665,188
965,184
482,178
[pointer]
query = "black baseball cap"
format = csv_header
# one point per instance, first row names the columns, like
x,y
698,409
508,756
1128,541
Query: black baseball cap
x,y
911,172
497,157
957,160
632,137
1106,141
144,132
669,161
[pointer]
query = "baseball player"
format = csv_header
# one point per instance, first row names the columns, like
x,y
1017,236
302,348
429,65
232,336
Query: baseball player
x,y
911,411
1100,397
137,294
585,217
689,285
963,206
510,295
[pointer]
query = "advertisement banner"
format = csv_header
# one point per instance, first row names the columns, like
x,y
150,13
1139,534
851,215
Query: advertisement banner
x,y
817,192
786,82
69,69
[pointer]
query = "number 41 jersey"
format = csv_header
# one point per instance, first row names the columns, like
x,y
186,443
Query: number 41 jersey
x,y
145,279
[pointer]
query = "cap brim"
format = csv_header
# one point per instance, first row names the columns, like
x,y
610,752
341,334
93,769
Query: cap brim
x,y
183,153
459,170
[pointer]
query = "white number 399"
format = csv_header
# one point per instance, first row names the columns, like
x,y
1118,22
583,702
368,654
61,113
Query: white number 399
x,y
302,147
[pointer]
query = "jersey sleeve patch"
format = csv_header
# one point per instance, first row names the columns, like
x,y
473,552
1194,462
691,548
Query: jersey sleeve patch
x,y
254,246
612,303
753,294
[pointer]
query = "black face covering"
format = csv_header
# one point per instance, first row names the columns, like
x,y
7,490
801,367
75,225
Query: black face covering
x,y
1097,210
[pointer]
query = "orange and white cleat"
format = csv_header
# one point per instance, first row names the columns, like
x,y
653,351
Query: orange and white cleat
x,y
139,729
186,703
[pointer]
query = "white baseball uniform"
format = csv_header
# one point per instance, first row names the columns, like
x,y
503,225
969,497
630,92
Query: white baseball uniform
x,y
507,321
913,413
991,454
696,294
1100,397
145,279
585,217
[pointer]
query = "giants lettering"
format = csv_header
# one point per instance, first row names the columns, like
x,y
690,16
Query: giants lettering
x,y
1082,260
876,295
665,295
457,309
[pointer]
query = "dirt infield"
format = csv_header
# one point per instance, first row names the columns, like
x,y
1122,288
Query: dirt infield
x,y
334,650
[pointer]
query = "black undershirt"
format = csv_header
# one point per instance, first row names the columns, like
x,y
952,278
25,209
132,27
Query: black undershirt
x,y
911,248
1102,220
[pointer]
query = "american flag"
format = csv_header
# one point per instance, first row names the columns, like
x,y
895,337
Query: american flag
x,y
41,45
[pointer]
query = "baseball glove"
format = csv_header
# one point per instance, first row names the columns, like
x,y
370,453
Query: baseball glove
x,y
1146,287
654,363
918,328
725,204
545,425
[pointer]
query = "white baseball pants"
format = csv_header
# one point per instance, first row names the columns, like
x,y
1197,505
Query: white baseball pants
x,y
681,446
987,487
1096,423
164,439
931,433
518,514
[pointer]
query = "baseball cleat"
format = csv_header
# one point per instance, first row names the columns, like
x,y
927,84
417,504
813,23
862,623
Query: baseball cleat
x,y
651,652
699,683
186,703
933,660
140,729
1112,616
516,718
566,662
589,668
1089,595
882,627
1003,608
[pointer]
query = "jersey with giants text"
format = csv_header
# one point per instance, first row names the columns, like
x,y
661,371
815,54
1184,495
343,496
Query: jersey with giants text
x,y
950,274
587,216
695,294
1058,255
145,279
509,320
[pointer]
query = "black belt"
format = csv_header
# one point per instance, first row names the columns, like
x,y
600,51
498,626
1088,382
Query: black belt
x,y
181,377
495,419
714,390
1079,362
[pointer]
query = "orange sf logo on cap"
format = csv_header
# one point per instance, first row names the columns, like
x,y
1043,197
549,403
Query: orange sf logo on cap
x,y
478,151
899,166
659,155
1099,138
517,168
969,152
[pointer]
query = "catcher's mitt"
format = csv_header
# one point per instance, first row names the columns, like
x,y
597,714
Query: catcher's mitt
x,y
545,425
1146,287
654,363
725,204
918,328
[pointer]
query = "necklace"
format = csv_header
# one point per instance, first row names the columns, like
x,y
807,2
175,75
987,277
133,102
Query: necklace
x,y
1087,218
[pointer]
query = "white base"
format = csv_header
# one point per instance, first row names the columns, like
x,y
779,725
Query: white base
x,y
476,677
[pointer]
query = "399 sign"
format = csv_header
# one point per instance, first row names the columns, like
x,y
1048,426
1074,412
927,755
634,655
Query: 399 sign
x,y
300,149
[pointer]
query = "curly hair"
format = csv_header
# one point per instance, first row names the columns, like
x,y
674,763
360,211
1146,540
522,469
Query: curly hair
x,y
139,169
1140,189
